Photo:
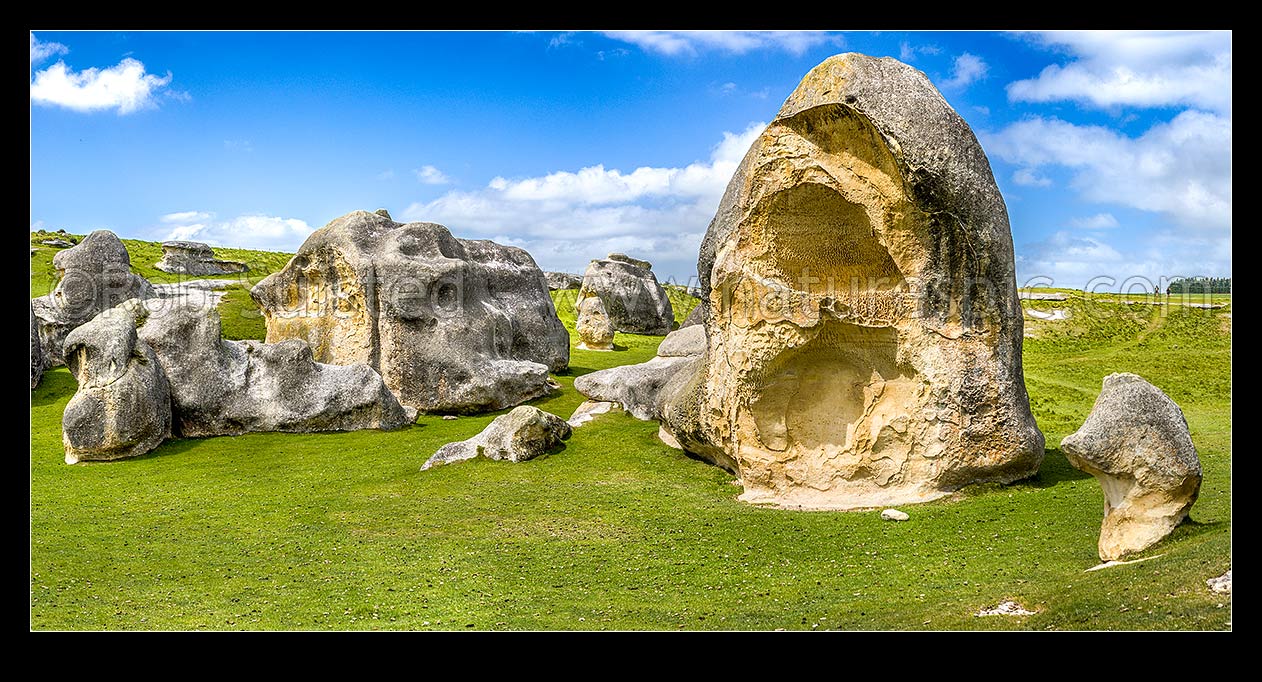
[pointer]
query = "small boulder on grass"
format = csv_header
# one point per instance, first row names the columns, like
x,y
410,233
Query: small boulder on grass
x,y
525,433
1137,445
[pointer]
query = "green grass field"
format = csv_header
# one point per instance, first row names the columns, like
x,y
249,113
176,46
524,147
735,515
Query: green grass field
x,y
617,531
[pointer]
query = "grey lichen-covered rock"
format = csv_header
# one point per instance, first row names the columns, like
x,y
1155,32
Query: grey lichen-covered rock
x,y
195,258
94,276
1136,443
594,328
223,387
452,325
37,353
863,326
525,433
683,342
122,407
635,387
560,281
636,303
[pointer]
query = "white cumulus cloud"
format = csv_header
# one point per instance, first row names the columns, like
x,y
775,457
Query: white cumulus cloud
x,y
1181,168
1134,68
264,232
125,87
429,175
966,70
566,218
41,50
1099,221
1028,177
673,43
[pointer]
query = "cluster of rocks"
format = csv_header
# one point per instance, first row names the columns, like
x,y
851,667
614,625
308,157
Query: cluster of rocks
x,y
58,240
145,374
195,258
857,342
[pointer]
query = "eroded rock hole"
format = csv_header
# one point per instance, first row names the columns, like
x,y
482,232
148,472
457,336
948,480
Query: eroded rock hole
x,y
814,397
822,243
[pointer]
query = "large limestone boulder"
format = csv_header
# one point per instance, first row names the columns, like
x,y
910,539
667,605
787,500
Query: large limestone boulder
x,y
525,433
452,325
195,258
94,276
122,407
595,329
636,387
636,303
862,321
37,353
223,387
1136,443
560,281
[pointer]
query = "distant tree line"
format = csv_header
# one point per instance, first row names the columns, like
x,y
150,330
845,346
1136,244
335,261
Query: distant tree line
x,y
1199,285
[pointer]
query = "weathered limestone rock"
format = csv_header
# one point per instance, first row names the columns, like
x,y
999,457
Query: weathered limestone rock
x,y
37,353
452,325
1136,443
195,258
122,407
231,387
863,326
595,329
635,387
636,303
1221,584
894,515
94,276
589,410
558,281
683,342
525,433
634,262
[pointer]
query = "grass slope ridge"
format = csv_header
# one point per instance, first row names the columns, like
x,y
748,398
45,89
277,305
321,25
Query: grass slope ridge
x,y
617,531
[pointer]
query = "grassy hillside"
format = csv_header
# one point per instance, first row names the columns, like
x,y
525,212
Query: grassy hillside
x,y
342,531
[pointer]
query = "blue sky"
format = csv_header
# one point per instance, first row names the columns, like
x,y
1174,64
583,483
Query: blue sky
x,y
1113,150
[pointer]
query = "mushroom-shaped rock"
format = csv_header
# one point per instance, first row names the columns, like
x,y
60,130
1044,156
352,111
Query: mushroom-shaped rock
x,y
122,407
524,433
1136,443
595,330
636,303
223,387
95,275
860,302
452,325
